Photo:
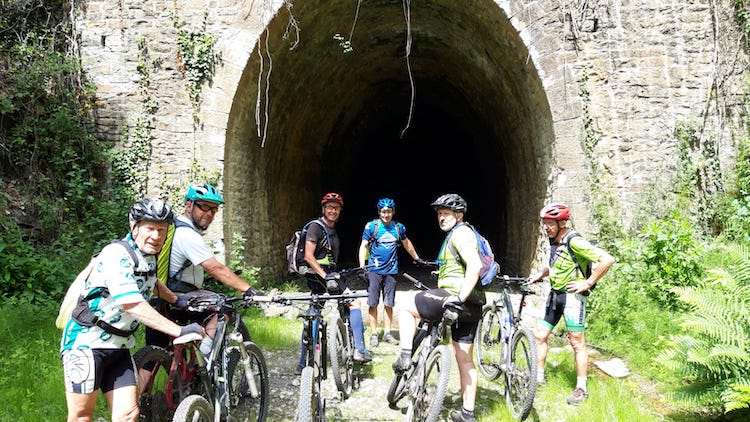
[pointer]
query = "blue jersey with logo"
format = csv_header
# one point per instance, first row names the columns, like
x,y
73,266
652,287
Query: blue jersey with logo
x,y
384,245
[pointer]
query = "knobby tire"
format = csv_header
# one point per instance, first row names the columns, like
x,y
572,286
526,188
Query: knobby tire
x,y
242,406
308,409
488,343
339,350
521,375
397,389
427,402
194,408
153,403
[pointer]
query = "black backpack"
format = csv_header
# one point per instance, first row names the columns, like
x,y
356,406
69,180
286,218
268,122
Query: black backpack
x,y
295,249
584,270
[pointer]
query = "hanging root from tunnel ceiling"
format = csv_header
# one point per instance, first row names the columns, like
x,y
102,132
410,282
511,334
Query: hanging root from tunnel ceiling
x,y
407,16
292,24
262,126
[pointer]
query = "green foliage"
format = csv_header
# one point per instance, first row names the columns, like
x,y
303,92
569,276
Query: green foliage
x,y
672,253
713,355
197,57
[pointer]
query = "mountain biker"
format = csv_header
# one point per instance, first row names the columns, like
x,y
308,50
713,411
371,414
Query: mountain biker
x,y
321,254
98,357
381,238
190,257
457,277
569,291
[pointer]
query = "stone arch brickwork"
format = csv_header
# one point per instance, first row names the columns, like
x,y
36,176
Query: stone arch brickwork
x,y
503,89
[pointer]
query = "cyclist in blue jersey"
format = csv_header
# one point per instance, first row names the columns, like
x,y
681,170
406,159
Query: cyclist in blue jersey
x,y
569,291
381,239
95,343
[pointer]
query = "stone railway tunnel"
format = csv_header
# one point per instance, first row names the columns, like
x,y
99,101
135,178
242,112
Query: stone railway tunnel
x,y
480,125
497,116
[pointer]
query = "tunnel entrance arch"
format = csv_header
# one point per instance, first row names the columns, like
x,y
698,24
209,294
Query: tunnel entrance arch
x,y
481,127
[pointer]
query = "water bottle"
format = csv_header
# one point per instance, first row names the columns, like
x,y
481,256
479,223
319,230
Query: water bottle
x,y
206,344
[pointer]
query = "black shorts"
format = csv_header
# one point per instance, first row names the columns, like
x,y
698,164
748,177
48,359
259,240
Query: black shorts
x,y
430,307
87,370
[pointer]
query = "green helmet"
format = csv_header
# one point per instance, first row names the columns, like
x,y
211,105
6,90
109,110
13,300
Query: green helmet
x,y
204,192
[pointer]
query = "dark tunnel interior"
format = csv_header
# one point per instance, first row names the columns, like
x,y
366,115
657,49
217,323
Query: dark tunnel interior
x,y
442,150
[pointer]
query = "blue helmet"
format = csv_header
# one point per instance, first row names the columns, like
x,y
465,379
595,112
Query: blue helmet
x,y
204,192
386,203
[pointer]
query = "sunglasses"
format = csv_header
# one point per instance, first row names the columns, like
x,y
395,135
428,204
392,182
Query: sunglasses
x,y
206,207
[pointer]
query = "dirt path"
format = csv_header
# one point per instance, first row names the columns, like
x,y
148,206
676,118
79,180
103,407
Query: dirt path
x,y
368,401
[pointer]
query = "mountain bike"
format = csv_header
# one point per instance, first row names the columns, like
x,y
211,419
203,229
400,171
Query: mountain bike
x,y
504,347
426,381
232,378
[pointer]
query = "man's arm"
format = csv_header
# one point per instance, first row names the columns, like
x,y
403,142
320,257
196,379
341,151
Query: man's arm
x,y
410,248
147,315
225,275
470,256
363,252
310,258
164,292
600,268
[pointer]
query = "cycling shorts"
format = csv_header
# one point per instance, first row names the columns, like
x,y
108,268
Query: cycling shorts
x,y
430,307
87,370
572,306
381,283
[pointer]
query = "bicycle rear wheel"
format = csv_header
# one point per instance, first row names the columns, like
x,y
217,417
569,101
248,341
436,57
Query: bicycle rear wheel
x,y
156,363
521,374
488,344
342,361
427,401
242,405
194,408
309,405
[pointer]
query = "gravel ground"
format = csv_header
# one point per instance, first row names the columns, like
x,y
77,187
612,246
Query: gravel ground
x,y
368,401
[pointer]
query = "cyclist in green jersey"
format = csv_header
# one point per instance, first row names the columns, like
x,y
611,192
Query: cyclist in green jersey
x,y
569,291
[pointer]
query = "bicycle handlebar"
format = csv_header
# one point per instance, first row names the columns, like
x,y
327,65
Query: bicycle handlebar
x,y
311,297
418,284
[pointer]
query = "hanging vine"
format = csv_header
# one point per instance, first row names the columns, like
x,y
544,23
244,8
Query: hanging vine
x,y
407,16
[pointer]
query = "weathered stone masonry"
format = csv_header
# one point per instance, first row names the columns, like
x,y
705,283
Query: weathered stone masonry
x,y
505,77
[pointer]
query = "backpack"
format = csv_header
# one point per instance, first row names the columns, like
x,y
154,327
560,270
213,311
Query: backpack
x,y
165,255
73,297
490,267
295,249
585,270
374,239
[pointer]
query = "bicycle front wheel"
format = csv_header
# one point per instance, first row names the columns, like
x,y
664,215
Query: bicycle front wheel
x,y
488,344
153,364
309,405
340,352
194,408
427,401
521,374
242,406
397,389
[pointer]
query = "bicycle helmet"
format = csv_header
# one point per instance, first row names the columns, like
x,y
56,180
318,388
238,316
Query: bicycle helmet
x,y
451,201
332,197
386,203
150,210
555,212
204,192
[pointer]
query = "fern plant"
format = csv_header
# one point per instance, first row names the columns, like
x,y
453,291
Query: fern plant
x,y
713,356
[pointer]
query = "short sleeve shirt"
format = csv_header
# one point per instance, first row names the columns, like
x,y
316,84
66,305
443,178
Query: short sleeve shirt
x,y
114,270
384,245
317,235
452,270
188,245
562,269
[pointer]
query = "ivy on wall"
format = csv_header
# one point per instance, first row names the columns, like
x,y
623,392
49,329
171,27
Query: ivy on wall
x,y
196,57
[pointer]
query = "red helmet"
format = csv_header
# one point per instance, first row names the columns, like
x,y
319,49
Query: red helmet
x,y
332,197
555,212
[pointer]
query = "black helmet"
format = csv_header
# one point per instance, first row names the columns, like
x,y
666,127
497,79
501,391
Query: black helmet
x,y
451,201
150,210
